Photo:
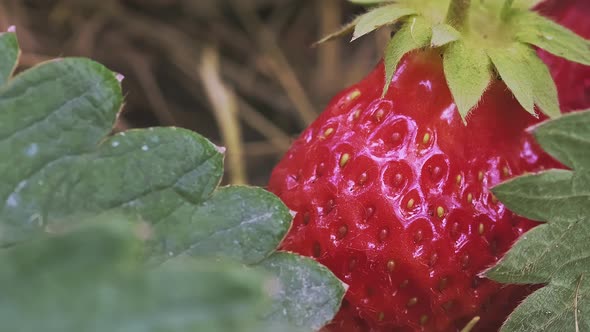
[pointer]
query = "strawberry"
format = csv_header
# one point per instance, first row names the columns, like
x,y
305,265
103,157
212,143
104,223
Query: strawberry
x,y
572,79
391,187
392,194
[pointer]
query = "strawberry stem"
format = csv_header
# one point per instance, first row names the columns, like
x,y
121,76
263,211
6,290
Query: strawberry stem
x,y
458,14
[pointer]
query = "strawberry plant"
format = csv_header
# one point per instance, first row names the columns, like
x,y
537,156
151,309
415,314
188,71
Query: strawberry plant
x,y
391,184
129,232
422,192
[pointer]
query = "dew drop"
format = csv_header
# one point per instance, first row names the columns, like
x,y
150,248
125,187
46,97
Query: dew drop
x,y
32,149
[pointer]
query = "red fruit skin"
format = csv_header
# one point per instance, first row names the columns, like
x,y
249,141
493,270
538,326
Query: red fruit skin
x,y
572,79
408,267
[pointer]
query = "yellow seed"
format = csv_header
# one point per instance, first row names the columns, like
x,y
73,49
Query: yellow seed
x,y
379,115
506,171
440,211
354,95
459,178
480,229
344,159
356,114
390,265
412,301
469,198
426,138
404,283
381,316
494,199
423,319
328,132
411,203
480,176
469,327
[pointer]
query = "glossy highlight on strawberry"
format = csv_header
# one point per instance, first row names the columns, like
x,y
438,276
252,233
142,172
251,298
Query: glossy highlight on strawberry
x,y
392,194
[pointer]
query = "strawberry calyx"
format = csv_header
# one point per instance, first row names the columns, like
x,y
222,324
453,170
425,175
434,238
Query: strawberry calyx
x,y
479,42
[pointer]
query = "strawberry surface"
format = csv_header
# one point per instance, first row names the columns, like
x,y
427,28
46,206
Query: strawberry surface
x,y
392,194
572,79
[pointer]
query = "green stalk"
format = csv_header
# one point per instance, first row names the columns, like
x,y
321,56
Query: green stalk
x,y
458,14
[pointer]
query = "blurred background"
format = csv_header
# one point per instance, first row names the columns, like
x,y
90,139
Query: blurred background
x,y
243,73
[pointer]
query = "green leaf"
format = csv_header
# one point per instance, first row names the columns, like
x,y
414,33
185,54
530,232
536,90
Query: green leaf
x,y
49,117
542,32
379,17
415,34
547,194
467,70
89,280
9,53
527,77
308,296
443,34
556,253
66,169
555,308
59,168
242,223
567,139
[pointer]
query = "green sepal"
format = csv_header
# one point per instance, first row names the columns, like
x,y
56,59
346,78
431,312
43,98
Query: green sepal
x,y
416,33
344,30
379,17
443,34
9,54
526,4
369,2
467,70
542,32
527,77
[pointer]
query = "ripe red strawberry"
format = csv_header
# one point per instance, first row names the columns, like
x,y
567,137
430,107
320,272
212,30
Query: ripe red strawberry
x,y
392,195
392,192
572,79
